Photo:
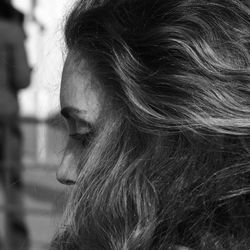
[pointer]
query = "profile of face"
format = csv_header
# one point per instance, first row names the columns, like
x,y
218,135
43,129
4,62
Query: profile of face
x,y
80,106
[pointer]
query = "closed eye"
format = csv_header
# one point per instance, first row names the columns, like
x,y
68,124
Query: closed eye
x,y
83,139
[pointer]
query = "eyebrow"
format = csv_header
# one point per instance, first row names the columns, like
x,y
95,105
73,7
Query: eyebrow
x,y
73,113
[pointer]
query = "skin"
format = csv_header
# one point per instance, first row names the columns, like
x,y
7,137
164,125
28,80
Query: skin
x,y
80,106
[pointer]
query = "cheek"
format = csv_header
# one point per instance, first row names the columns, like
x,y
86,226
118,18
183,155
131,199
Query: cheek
x,y
92,102
75,149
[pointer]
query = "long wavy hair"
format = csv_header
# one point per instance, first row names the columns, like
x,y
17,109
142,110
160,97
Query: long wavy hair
x,y
169,164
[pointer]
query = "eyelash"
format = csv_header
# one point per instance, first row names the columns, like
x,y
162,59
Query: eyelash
x,y
83,139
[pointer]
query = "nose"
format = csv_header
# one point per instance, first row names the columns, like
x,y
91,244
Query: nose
x,y
66,173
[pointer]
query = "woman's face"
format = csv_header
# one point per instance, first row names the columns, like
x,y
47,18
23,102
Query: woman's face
x,y
80,106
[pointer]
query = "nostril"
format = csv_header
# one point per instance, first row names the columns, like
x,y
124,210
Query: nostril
x,y
68,182
65,181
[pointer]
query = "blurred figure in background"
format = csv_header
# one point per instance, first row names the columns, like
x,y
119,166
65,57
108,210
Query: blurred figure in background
x,y
14,75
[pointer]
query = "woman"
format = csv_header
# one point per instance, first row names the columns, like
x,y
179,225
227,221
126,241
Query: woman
x,y
156,94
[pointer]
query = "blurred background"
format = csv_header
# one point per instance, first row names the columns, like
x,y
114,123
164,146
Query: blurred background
x,y
31,199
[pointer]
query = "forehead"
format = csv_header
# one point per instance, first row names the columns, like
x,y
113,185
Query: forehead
x,y
80,88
